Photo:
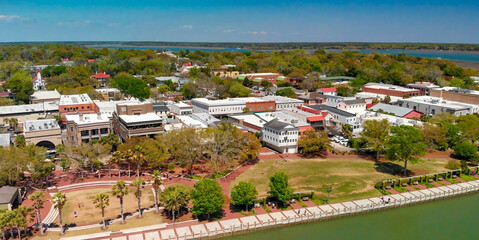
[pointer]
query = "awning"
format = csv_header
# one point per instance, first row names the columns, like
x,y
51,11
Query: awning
x,y
315,118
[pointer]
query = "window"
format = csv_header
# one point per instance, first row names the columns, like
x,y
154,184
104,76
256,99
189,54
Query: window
x,y
71,129
73,139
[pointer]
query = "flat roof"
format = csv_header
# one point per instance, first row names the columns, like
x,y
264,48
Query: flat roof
x,y
41,95
439,102
147,117
222,102
191,122
7,193
389,87
75,99
29,108
38,125
281,99
88,118
5,139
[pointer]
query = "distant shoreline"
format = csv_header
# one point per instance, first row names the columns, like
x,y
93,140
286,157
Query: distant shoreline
x,y
464,64
327,50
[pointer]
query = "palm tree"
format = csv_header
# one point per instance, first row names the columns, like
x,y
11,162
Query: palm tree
x,y
139,184
3,222
138,159
19,221
102,201
59,200
120,190
38,199
174,198
25,213
156,183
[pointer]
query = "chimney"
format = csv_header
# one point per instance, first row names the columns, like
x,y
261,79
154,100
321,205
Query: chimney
x,y
81,117
98,116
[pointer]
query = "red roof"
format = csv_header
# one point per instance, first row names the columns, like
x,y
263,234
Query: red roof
x,y
91,60
330,89
370,105
315,118
4,94
305,128
65,59
100,75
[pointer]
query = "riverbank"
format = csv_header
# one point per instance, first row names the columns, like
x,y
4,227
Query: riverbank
x,y
228,227
463,64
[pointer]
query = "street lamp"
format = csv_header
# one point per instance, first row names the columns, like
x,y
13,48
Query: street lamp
x,y
329,189
287,149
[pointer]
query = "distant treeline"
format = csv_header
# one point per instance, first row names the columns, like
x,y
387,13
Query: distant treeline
x,y
285,45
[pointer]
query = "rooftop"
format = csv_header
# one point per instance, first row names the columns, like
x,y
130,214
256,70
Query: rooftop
x,y
191,122
354,101
439,102
29,108
222,102
337,78
388,87
100,75
38,125
330,89
75,99
279,125
332,109
43,95
281,99
147,117
423,85
7,193
88,118
396,110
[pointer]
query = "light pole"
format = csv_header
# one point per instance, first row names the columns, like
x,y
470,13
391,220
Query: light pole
x,y
287,149
329,189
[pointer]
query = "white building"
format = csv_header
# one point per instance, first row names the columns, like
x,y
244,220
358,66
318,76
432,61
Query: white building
x,y
283,102
218,107
432,106
356,106
180,108
339,117
280,136
333,101
38,81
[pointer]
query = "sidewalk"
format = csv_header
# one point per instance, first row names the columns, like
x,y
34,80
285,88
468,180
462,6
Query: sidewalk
x,y
247,223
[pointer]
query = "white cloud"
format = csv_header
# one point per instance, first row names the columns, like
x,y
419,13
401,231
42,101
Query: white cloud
x,y
8,18
255,32
252,32
262,32
188,26
229,30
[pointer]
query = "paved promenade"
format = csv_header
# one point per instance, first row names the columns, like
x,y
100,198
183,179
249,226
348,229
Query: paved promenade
x,y
193,229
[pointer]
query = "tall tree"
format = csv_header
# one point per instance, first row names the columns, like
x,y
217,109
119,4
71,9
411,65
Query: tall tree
x,y
174,198
434,136
347,130
132,87
156,183
207,197
312,141
138,184
21,85
120,190
376,134
25,215
38,199
59,201
405,144
102,201
244,193
185,146
279,188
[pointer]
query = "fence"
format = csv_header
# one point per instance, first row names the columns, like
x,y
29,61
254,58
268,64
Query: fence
x,y
278,219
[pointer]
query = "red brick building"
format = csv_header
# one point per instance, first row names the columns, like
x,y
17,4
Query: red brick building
x,y
74,104
261,106
391,90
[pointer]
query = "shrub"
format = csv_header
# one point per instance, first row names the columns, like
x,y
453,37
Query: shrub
x,y
400,189
196,177
453,164
428,185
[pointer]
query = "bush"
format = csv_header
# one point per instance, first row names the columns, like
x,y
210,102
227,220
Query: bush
x,y
196,177
383,191
453,164
400,189
466,150
428,185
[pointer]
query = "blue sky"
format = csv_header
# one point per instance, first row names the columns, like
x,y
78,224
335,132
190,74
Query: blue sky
x,y
240,21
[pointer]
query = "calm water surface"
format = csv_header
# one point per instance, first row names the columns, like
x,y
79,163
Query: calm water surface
x,y
450,219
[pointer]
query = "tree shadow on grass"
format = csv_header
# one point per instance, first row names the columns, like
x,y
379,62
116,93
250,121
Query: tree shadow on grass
x,y
388,167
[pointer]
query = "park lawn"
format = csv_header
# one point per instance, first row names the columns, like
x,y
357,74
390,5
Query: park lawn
x,y
149,218
350,178
88,214
432,165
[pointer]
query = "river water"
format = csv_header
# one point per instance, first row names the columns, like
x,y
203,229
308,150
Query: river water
x,y
455,218
466,57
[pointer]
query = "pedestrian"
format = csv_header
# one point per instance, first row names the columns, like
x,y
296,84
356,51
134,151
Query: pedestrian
x,y
299,212
79,205
83,204
75,214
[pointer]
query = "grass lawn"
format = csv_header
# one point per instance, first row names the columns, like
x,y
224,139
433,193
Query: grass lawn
x,y
350,178
149,218
88,214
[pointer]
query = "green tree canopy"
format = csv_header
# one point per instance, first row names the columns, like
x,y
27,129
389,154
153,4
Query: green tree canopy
x,y
132,87
287,92
21,85
376,133
207,197
279,188
405,144
244,193
312,142
174,198
467,150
